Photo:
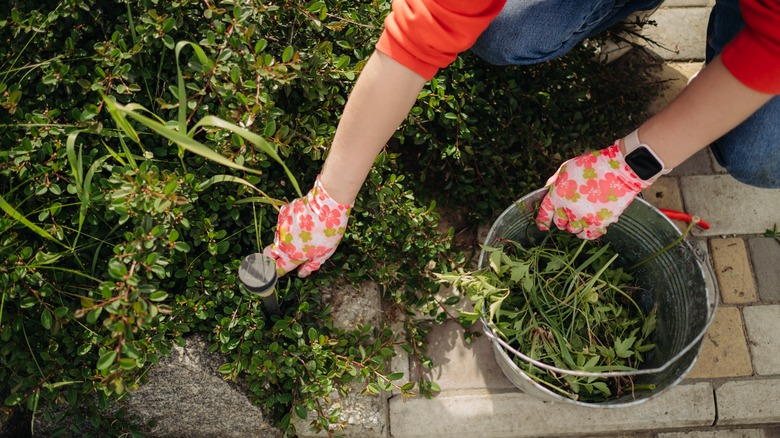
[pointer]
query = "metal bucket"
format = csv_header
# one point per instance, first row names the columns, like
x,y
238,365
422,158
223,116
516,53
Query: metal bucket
x,y
679,282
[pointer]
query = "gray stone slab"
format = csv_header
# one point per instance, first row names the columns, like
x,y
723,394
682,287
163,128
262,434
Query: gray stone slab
x,y
487,414
765,255
763,330
187,396
730,206
680,32
749,402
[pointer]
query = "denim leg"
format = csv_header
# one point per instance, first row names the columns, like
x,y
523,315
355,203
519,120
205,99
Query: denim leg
x,y
532,31
751,151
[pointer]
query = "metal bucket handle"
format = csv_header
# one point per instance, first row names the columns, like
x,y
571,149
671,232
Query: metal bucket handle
x,y
709,281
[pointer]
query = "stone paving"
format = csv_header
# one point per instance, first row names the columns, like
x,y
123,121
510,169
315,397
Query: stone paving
x,y
733,389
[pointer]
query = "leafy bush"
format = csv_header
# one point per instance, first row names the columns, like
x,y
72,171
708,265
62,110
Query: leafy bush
x,y
115,245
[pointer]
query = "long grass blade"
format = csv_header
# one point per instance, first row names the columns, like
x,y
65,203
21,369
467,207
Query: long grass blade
x,y
178,138
11,211
120,120
73,159
261,199
255,139
234,179
180,79
86,194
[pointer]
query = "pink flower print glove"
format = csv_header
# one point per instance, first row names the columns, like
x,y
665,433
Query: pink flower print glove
x,y
308,231
590,192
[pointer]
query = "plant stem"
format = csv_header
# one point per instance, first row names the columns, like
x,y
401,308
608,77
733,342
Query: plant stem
x,y
664,249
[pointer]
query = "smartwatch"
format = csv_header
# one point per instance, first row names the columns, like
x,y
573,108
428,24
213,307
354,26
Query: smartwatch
x,y
642,159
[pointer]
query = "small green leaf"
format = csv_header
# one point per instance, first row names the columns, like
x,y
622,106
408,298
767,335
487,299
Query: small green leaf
x,y
46,319
14,399
106,360
93,314
288,54
227,368
395,376
300,411
158,296
452,300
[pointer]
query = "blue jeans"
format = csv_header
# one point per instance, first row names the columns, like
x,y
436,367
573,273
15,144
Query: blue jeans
x,y
751,151
532,31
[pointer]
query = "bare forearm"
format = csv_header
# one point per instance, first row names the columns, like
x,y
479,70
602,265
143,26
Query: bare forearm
x,y
383,95
713,104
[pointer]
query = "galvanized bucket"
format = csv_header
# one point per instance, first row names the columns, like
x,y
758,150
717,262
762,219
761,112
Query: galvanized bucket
x,y
679,282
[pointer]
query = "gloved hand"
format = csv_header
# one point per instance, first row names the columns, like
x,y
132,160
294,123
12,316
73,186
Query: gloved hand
x,y
590,192
308,231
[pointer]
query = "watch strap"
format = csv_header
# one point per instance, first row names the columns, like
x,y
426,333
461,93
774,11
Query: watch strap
x,y
632,143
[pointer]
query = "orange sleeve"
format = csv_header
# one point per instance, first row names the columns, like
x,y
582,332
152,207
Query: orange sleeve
x,y
753,57
426,35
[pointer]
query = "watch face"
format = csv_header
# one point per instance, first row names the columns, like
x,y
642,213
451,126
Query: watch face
x,y
643,163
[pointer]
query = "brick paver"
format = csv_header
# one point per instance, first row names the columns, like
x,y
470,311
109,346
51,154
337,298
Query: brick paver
x,y
724,352
765,255
749,402
763,329
732,268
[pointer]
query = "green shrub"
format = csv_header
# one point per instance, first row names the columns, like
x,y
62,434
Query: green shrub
x,y
115,245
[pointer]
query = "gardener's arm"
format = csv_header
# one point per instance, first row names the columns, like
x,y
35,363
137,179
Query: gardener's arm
x,y
380,101
713,104
420,37
590,192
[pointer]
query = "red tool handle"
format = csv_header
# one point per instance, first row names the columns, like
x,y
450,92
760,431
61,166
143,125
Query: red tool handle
x,y
681,216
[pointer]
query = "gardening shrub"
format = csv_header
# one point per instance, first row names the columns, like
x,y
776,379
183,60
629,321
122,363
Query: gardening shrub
x,y
115,242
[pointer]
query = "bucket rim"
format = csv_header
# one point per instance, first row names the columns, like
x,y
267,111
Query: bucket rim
x,y
710,285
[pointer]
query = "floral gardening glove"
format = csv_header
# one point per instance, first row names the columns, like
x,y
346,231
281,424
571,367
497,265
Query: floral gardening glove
x,y
308,231
589,192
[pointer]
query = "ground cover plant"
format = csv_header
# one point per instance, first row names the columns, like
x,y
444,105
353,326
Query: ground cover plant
x,y
145,147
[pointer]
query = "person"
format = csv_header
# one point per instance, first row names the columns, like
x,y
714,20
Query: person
x,y
731,105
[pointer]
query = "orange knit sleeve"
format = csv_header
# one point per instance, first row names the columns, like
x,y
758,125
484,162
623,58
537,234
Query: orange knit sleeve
x,y
426,35
753,57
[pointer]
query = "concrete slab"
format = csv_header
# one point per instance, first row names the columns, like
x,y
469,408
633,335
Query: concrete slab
x,y
515,414
732,269
681,32
701,163
687,3
726,433
765,255
664,193
749,402
763,327
458,366
724,351
674,77
730,206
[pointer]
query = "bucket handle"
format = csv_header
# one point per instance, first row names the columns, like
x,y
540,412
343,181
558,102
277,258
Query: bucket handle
x,y
709,278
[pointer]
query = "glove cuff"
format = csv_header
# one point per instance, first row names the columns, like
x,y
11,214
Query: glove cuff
x,y
319,192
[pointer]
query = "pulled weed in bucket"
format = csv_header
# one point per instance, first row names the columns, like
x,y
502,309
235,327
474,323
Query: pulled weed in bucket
x,y
566,304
